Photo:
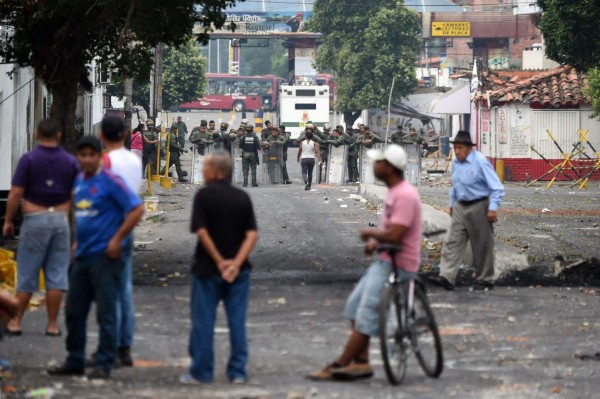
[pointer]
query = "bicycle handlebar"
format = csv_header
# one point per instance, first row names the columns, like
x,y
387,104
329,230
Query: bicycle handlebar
x,y
432,233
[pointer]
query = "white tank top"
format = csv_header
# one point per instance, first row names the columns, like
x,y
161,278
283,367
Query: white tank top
x,y
308,149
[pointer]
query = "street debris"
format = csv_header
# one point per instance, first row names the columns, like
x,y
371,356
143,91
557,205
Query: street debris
x,y
277,301
43,393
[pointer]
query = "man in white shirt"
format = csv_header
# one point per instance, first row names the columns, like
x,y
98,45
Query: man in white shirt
x,y
129,167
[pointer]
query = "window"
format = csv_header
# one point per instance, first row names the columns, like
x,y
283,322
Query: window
x,y
305,93
219,87
306,106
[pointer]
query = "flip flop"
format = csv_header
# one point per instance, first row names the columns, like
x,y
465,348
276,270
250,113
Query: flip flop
x,y
53,334
11,333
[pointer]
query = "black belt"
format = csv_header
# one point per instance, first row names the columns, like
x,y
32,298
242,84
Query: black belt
x,y
468,203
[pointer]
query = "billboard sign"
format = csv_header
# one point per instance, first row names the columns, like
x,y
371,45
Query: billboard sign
x,y
264,22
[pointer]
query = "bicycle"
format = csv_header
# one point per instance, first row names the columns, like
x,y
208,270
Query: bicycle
x,y
406,320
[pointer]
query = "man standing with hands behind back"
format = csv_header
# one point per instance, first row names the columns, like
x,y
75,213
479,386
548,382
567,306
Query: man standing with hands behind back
x,y
475,196
224,224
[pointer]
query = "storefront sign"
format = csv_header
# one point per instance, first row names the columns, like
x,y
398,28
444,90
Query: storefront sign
x,y
451,29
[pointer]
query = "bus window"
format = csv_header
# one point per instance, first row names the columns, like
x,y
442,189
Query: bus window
x,y
306,106
219,87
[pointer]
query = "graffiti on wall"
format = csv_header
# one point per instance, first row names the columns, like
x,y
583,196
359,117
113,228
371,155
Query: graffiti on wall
x,y
519,143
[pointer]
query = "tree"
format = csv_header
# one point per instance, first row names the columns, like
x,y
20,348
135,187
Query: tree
x,y
59,39
367,44
183,75
571,32
572,36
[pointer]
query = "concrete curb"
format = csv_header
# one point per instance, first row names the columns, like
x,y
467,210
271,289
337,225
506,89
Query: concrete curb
x,y
508,258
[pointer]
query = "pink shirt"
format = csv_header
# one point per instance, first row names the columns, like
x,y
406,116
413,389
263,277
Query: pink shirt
x,y
403,207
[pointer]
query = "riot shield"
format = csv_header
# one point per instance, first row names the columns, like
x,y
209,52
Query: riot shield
x,y
336,169
272,164
236,155
413,164
198,163
366,167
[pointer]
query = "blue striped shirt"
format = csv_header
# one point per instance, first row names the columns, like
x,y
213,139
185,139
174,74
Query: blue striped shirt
x,y
475,178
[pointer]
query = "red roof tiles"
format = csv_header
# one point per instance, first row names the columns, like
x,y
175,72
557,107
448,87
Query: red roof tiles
x,y
558,88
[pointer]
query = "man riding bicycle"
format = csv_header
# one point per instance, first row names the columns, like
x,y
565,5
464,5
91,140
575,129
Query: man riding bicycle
x,y
400,225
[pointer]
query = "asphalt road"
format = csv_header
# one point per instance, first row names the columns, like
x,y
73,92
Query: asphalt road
x,y
508,343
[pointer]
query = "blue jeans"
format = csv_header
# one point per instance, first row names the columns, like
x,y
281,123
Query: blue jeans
x,y
94,278
125,309
207,292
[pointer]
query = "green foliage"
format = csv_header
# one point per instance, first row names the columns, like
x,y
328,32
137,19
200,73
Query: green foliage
x,y
572,32
59,39
366,44
183,75
593,90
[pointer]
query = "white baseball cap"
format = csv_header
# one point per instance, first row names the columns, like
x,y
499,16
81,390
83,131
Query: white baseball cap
x,y
393,153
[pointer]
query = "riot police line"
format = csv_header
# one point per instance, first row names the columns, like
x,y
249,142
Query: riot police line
x,y
264,160
334,171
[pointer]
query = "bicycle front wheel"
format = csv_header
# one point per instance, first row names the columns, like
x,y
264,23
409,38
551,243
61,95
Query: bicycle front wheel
x,y
393,347
427,344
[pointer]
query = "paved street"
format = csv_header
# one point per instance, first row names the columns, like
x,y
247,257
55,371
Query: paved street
x,y
513,342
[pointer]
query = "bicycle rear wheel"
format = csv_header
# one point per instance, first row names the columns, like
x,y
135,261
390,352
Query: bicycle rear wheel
x,y
393,346
427,344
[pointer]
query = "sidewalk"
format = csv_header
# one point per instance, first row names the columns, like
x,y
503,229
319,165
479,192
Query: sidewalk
x,y
508,258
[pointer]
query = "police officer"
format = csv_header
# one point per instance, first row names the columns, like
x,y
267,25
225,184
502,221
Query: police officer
x,y
182,131
396,137
211,127
324,148
150,138
266,132
350,141
249,144
286,137
221,139
200,138
412,137
369,138
175,150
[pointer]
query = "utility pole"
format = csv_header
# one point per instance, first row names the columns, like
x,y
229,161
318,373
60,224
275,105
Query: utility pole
x,y
158,71
128,94
152,87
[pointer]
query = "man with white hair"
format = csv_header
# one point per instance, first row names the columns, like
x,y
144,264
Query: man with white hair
x,y
224,224
401,225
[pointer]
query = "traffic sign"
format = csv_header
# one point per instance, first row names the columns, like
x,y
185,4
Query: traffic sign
x,y
451,29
